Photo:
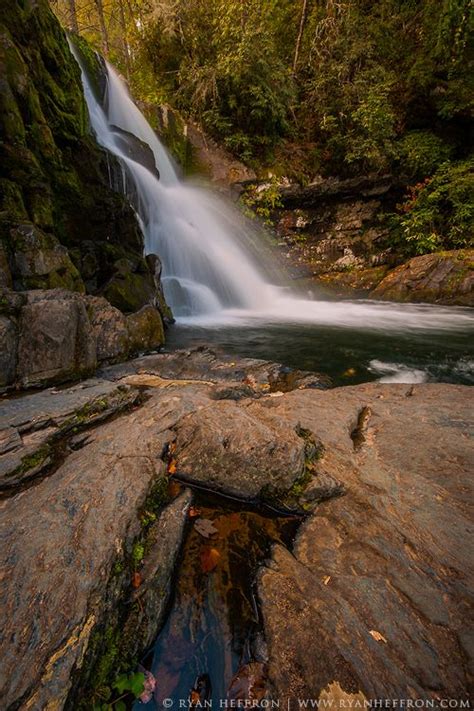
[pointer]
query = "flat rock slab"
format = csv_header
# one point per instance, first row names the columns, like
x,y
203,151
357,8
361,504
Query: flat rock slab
x,y
59,540
31,424
376,596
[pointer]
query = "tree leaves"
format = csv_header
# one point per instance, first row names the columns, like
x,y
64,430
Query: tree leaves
x,y
134,683
205,527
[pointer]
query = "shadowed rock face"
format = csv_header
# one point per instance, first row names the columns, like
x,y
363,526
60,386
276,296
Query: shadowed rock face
x,y
374,598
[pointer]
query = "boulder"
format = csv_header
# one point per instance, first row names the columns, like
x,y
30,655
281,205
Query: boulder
x,y
54,335
56,342
131,286
109,328
241,451
441,278
145,329
40,262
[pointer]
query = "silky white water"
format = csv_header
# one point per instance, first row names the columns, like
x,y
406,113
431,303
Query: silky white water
x,y
214,272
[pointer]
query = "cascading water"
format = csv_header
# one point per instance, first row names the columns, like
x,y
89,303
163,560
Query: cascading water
x,y
212,274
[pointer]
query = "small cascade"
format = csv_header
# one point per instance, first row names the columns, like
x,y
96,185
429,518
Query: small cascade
x,y
215,270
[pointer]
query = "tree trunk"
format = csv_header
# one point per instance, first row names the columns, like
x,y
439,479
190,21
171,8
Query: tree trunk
x,y
72,20
304,9
125,45
103,29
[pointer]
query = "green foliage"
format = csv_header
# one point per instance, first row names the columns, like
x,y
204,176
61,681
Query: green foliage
x,y
131,682
421,152
138,553
438,213
385,86
124,684
262,200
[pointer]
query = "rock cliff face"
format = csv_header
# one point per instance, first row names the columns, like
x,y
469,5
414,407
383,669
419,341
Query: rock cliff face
x,y
62,226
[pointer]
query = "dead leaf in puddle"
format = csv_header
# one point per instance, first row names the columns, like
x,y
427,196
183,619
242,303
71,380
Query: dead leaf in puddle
x,y
136,580
174,489
209,559
194,697
172,467
249,682
326,579
349,373
205,527
377,636
194,512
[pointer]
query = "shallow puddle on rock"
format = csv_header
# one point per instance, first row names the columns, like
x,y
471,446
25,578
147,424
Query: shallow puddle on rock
x,y
213,625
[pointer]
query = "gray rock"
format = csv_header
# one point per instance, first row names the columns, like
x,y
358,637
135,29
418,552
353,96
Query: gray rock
x,y
145,329
109,327
40,261
8,351
241,451
375,596
56,342
442,278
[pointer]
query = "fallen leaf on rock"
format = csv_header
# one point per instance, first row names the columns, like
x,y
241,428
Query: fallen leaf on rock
x,y
193,512
326,579
377,636
205,527
136,580
172,467
209,559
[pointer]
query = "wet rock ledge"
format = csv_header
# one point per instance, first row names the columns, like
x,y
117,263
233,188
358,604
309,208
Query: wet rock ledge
x,y
374,598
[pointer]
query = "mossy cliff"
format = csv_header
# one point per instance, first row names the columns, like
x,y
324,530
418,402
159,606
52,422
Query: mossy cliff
x,y
61,224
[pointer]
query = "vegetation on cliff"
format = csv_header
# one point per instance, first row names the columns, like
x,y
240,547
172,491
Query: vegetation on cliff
x,y
61,224
305,88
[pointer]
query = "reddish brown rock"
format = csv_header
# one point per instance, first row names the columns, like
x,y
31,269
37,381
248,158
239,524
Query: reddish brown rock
x,y
441,278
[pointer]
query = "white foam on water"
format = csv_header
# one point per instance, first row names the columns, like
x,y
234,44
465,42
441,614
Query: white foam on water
x,y
397,372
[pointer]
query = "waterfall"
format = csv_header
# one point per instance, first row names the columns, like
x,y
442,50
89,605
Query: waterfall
x,y
213,272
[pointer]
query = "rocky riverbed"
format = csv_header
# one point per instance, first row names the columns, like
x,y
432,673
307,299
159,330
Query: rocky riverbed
x,y
372,599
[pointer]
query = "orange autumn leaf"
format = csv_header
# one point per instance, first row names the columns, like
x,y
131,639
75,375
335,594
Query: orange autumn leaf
x,y
209,559
172,467
136,580
193,512
174,488
195,698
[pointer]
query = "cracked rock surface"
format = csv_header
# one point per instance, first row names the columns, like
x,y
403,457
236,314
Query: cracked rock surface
x,y
374,598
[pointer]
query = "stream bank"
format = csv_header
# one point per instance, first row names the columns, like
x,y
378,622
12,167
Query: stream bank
x,y
373,597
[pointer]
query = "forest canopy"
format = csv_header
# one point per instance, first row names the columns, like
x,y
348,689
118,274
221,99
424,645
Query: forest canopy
x,y
307,87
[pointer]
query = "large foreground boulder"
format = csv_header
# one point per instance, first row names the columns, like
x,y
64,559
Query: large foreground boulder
x,y
371,602
54,335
